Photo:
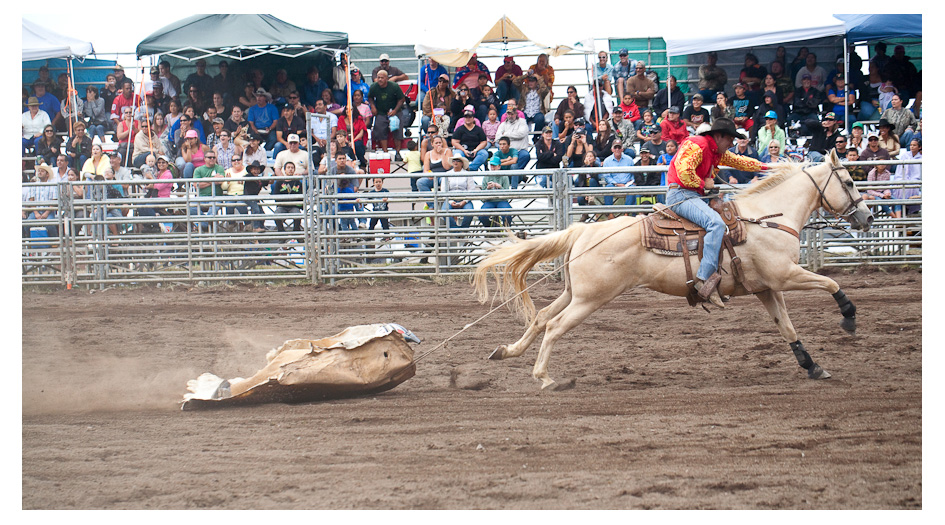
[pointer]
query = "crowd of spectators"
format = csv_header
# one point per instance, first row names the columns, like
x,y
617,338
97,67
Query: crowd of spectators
x,y
211,126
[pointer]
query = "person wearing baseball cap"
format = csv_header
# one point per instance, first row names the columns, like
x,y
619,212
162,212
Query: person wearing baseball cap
x,y
770,131
623,69
823,137
505,79
691,173
430,75
469,140
671,128
394,73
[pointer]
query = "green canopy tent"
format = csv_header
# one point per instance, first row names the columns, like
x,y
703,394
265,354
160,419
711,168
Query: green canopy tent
x,y
246,42
238,37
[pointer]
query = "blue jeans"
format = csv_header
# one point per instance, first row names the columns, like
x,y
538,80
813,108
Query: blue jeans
x,y
629,200
255,209
691,206
708,94
278,148
347,224
868,112
523,158
211,209
592,182
185,168
506,90
906,138
96,130
426,184
481,157
538,119
467,219
493,220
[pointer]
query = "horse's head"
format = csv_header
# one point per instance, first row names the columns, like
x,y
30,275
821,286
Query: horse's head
x,y
838,195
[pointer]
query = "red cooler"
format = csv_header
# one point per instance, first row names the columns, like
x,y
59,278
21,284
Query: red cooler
x,y
379,163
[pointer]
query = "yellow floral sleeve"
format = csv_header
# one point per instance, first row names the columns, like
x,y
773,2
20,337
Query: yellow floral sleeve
x,y
687,160
740,163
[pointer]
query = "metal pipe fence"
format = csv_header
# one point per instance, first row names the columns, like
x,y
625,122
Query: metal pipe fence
x,y
96,241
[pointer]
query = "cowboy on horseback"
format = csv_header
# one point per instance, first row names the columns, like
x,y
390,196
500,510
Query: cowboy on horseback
x,y
691,173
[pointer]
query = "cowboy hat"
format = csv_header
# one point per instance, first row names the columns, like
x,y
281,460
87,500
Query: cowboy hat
x,y
462,159
47,168
726,126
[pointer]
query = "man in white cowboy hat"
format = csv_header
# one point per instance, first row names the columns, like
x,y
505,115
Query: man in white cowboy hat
x,y
45,194
393,72
459,180
263,117
691,173
34,121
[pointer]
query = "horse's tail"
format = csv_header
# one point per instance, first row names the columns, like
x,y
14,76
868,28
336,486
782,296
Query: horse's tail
x,y
516,260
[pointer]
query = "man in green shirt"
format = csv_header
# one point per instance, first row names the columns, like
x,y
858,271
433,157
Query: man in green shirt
x,y
208,189
386,99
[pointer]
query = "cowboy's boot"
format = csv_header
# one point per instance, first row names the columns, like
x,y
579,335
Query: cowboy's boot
x,y
708,290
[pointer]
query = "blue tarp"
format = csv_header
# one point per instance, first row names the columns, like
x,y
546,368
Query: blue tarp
x,y
88,71
877,27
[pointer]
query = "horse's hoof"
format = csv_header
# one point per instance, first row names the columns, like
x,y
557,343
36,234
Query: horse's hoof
x,y
498,353
549,385
849,325
816,372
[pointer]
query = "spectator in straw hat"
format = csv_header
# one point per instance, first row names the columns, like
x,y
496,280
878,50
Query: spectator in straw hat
x,y
459,180
34,121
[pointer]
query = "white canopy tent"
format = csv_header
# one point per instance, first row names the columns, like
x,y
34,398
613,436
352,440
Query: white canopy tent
x,y
719,34
40,43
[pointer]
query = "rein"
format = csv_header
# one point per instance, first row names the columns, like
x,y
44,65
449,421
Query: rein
x,y
826,203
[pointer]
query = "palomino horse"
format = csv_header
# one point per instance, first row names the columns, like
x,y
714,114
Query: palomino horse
x,y
606,258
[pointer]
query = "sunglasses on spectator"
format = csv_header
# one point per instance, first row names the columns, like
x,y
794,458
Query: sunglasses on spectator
x,y
209,156
234,159
617,146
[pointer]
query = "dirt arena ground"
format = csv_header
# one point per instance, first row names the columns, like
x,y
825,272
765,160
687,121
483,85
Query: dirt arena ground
x,y
660,415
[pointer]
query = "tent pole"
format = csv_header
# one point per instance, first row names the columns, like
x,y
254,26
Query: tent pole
x,y
846,84
347,66
70,92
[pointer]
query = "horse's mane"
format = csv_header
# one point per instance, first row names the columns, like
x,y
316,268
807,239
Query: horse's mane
x,y
778,173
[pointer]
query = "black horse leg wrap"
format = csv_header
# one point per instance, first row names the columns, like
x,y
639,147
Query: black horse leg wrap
x,y
847,308
803,358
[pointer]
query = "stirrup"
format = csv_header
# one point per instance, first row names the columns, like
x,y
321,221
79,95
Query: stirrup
x,y
708,290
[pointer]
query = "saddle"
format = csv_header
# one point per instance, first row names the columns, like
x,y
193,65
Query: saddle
x,y
666,233
664,230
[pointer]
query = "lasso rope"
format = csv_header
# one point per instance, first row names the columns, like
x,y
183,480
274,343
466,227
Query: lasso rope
x,y
490,312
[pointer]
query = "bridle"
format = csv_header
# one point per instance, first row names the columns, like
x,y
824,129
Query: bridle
x,y
825,203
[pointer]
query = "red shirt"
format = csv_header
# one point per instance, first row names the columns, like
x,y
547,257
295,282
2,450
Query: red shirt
x,y
631,112
359,126
121,102
674,130
698,159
